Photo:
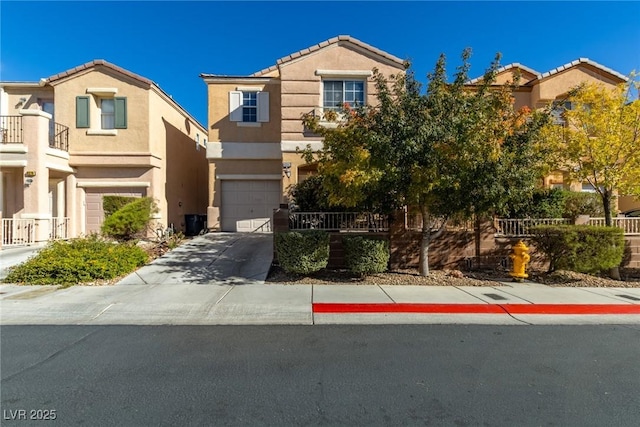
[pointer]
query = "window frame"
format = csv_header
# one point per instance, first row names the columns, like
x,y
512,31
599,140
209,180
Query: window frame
x,y
344,91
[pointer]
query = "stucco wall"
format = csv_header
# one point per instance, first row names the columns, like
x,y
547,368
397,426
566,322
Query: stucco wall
x,y
33,96
135,138
221,128
301,87
559,84
179,141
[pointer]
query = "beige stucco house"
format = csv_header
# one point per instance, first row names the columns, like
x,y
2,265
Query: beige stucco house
x,y
255,125
95,130
538,90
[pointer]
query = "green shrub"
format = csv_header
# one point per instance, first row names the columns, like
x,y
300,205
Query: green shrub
x,y
77,261
365,255
110,204
544,203
556,242
581,248
302,252
598,249
131,219
583,203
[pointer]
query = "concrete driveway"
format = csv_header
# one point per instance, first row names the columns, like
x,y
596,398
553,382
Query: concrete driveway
x,y
212,259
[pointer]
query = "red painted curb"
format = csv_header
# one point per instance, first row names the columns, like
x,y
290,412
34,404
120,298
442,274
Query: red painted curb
x,y
582,309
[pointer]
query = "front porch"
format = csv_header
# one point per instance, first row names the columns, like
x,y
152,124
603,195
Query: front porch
x,y
35,179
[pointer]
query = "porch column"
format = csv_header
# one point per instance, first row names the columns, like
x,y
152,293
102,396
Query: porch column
x,y
72,206
36,179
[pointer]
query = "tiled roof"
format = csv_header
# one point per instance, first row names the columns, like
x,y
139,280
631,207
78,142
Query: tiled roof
x,y
583,61
540,76
127,73
103,63
508,67
321,45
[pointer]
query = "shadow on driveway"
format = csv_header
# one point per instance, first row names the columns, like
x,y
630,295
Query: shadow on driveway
x,y
212,259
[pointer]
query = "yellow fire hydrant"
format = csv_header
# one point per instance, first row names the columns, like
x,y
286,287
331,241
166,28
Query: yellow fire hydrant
x,y
520,258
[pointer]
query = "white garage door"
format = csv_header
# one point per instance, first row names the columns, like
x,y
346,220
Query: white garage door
x,y
94,213
247,205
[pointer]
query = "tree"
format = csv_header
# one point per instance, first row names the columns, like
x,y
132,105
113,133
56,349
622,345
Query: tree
x,y
599,142
450,151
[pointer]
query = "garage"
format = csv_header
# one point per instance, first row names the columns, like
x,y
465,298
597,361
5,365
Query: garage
x,y
247,205
94,213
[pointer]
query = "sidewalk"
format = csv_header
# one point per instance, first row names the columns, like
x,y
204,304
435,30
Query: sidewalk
x,y
243,304
16,255
219,278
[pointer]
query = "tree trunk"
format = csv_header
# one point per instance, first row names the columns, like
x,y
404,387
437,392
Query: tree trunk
x,y
606,201
614,272
424,251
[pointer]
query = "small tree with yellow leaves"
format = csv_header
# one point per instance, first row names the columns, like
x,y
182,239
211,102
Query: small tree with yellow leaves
x,y
599,141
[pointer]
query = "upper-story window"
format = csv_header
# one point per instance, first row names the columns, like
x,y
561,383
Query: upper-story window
x,y
249,106
107,114
101,111
557,113
336,93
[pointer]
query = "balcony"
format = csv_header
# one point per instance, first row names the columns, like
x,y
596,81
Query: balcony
x,y
59,136
12,132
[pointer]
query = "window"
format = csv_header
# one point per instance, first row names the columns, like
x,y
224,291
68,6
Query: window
x,y
336,93
107,114
249,106
557,113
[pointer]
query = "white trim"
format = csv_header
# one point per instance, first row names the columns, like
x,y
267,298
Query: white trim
x,y
345,73
290,146
102,91
61,168
249,124
13,163
100,184
238,80
244,150
250,177
36,216
56,152
14,148
249,88
107,132
33,112
4,102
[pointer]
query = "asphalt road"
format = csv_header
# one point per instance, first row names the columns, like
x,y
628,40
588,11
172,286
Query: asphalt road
x,y
332,375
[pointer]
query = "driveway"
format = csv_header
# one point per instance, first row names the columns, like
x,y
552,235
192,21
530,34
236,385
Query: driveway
x,y
212,259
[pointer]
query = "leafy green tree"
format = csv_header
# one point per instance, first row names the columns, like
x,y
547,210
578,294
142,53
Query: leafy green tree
x,y
450,151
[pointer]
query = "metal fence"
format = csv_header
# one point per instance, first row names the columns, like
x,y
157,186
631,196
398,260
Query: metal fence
x,y
11,130
17,232
631,226
520,227
59,229
59,138
338,221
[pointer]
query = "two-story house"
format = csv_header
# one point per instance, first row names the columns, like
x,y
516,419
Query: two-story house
x,y
538,90
255,124
94,130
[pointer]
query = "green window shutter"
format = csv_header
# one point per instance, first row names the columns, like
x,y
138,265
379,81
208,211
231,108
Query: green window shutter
x,y
121,112
82,111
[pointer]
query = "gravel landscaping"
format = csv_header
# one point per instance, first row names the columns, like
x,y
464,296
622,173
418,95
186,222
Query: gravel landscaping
x,y
631,278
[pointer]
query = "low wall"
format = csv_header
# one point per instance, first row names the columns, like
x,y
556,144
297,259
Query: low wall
x,y
454,249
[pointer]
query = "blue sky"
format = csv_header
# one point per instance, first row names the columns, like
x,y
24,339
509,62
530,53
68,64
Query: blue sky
x,y
171,43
